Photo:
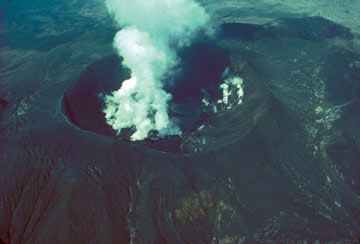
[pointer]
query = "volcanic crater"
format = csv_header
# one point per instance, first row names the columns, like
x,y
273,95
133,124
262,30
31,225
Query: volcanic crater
x,y
198,76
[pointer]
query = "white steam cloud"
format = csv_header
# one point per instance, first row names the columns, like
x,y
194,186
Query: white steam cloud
x,y
151,30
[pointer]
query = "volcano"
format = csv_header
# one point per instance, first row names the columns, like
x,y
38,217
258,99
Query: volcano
x,y
271,159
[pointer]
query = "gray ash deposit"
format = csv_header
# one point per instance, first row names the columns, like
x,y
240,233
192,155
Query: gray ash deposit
x,y
272,157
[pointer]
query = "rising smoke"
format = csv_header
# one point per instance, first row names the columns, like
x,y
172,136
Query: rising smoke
x,y
151,31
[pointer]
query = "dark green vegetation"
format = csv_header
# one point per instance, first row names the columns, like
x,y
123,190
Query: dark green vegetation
x,y
282,167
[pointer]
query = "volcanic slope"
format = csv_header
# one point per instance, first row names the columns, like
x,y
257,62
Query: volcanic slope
x,y
280,166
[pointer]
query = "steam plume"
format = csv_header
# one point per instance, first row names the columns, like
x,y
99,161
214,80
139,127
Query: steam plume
x,y
151,31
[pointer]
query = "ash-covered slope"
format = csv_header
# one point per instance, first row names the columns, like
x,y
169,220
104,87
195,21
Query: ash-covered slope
x,y
279,167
